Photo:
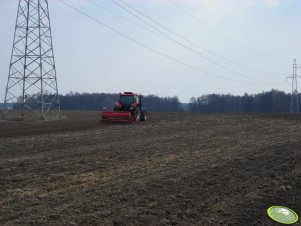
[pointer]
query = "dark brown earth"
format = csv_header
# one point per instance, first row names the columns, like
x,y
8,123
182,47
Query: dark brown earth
x,y
175,169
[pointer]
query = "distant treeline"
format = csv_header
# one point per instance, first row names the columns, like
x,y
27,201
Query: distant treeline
x,y
97,101
272,101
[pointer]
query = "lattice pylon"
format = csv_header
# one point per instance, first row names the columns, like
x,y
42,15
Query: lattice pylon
x,y
295,100
32,82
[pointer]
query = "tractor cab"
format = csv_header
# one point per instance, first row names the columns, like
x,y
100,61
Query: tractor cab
x,y
127,102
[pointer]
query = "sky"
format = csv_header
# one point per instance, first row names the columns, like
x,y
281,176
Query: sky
x,y
168,47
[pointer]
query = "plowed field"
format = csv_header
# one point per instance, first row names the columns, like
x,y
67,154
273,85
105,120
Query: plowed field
x,y
174,169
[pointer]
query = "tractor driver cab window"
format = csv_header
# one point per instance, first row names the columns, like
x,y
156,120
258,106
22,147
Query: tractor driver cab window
x,y
127,99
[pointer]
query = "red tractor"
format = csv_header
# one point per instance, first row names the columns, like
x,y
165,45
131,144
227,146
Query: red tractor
x,y
127,109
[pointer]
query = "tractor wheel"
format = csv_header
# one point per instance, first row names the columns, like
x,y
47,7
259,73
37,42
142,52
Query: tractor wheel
x,y
143,116
137,114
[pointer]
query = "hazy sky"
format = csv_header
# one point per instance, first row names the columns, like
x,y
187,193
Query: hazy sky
x,y
201,47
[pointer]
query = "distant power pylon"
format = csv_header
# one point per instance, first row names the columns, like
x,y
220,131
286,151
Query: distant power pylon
x,y
32,84
295,102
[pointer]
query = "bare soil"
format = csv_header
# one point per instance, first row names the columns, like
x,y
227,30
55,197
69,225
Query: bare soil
x,y
174,169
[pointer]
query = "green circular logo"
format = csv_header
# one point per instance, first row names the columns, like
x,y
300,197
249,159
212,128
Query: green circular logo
x,y
282,215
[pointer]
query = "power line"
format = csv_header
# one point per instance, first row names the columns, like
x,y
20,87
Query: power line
x,y
152,49
223,35
185,46
121,17
189,41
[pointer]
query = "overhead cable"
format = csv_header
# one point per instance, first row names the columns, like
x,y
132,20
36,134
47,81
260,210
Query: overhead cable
x,y
152,49
179,43
225,36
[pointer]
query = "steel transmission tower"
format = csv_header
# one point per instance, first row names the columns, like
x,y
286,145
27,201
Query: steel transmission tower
x,y
295,102
32,84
